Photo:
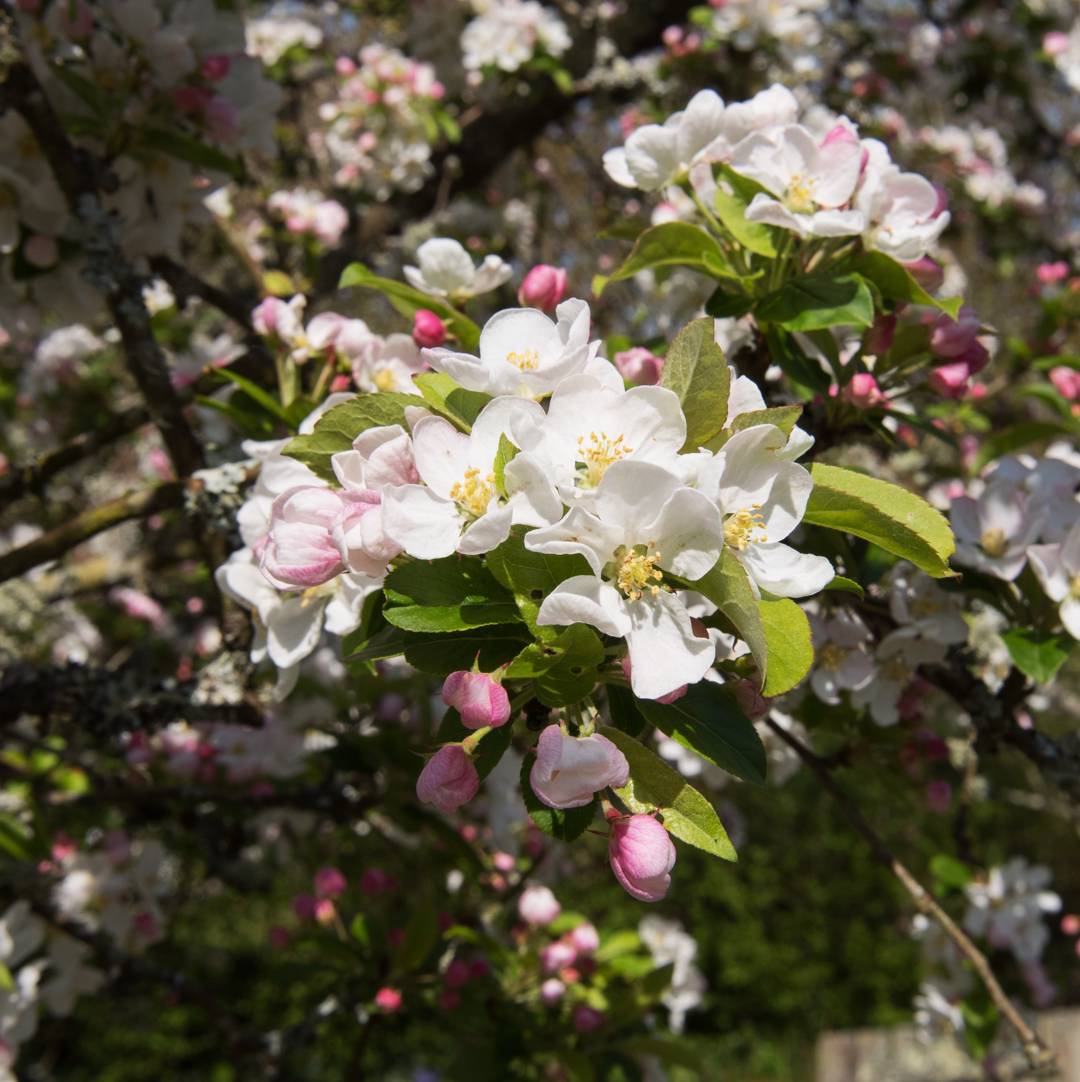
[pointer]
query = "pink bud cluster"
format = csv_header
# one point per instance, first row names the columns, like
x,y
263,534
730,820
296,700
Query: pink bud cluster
x,y
309,213
960,355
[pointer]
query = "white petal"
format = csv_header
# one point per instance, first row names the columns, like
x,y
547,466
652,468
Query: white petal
x,y
1049,568
532,497
1070,615
652,156
616,167
579,532
294,630
631,493
664,652
423,524
688,534
784,572
445,265
585,599
487,532
441,454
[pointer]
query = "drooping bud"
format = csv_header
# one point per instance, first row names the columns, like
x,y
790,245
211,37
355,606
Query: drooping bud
x,y
429,331
570,770
642,856
543,287
537,905
478,699
448,779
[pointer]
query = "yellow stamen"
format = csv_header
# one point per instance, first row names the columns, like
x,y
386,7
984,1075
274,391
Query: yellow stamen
x,y
474,492
384,380
993,541
636,571
528,360
315,593
799,197
739,528
599,453
831,656
897,670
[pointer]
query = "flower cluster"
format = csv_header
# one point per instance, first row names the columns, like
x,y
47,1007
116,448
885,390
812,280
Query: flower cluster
x,y
507,34
382,123
309,213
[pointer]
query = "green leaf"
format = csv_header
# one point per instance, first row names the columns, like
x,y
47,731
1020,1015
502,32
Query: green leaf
x,y
728,587
950,872
897,284
838,582
389,642
1037,654
882,513
668,1051
503,457
441,653
358,929
624,709
624,941
708,721
564,824
804,372
696,371
449,398
1018,436
408,301
789,645
673,244
654,786
784,417
814,303
563,667
255,392
731,210
492,745
191,150
336,429
421,936
451,594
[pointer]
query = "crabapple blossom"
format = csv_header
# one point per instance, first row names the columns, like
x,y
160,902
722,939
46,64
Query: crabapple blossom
x,y
641,855
543,287
641,523
506,34
522,352
447,270
570,770
921,607
478,699
1008,908
537,905
1057,567
897,658
670,944
448,779
842,661
994,530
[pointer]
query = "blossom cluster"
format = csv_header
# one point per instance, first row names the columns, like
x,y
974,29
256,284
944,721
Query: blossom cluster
x,y
382,122
507,34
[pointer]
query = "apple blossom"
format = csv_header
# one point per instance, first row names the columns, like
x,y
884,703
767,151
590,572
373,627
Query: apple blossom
x,y
842,661
897,658
808,183
551,991
478,699
447,270
300,551
993,532
569,771
537,905
670,944
642,856
1008,908
1057,567
459,506
522,352
448,779
506,35
641,522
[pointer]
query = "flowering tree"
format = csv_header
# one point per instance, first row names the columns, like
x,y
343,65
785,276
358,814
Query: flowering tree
x,y
355,616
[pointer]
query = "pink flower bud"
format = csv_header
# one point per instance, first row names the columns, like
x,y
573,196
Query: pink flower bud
x,y
345,65
449,999
543,287
214,68
324,911
478,698
304,906
458,973
388,999
329,882
880,336
950,380
863,392
279,937
1055,43
556,955
503,862
927,272
330,219
1049,273
587,1019
448,779
299,550
428,331
950,338
375,881
340,383
1070,924
570,770
190,99
748,696
538,906
585,938
551,991
76,20
41,251
1066,381
147,927
639,366
63,847
642,856
264,317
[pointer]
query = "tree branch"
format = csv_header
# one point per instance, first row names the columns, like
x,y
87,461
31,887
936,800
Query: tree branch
x,y
1041,1058
81,179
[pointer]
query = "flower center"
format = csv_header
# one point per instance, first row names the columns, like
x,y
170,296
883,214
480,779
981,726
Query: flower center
x,y
474,492
993,541
528,360
636,571
740,526
799,197
897,670
597,454
923,607
384,379
314,594
1074,586
831,656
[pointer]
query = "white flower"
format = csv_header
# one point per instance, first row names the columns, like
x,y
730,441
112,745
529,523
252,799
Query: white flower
x,y
670,944
277,30
590,425
842,661
69,975
507,34
643,522
808,181
994,531
762,496
458,506
383,364
1007,908
921,607
447,270
21,933
523,352
1058,570
897,658
900,209
656,155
